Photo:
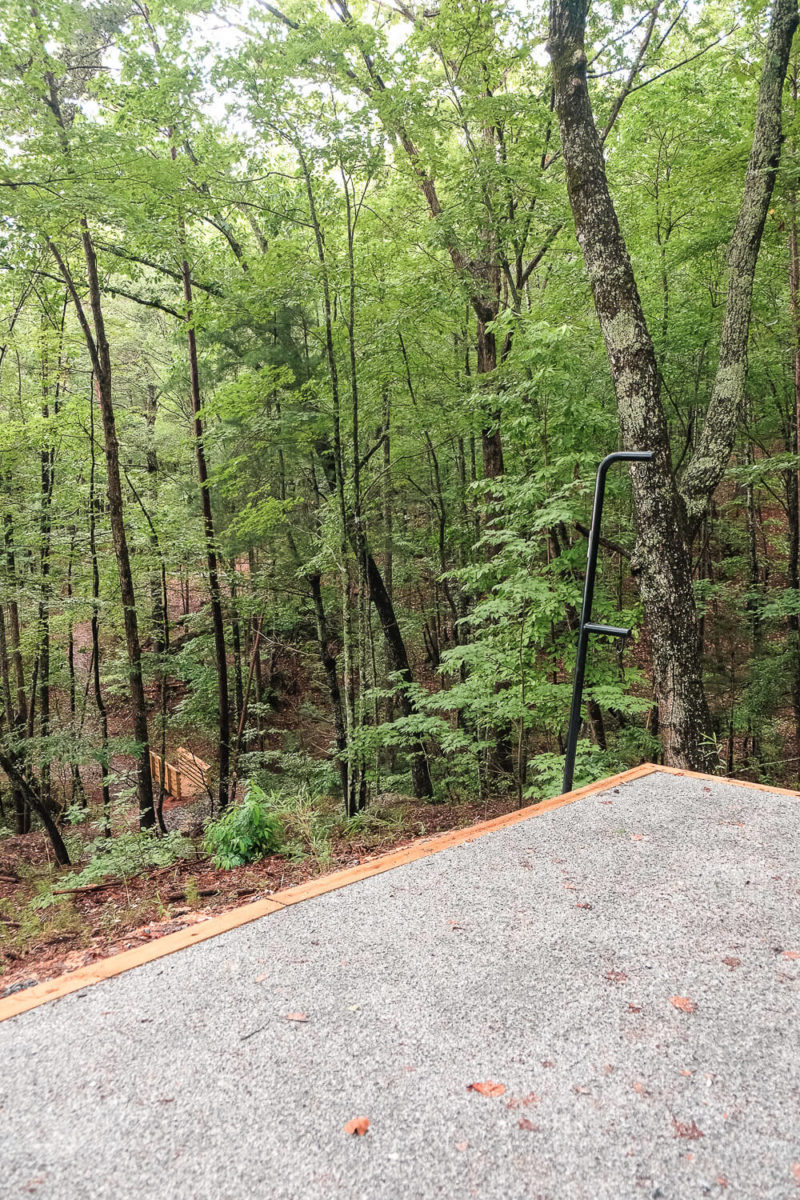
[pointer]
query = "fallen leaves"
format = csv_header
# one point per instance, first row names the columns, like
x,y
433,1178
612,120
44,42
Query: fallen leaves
x,y
796,1171
461,1145
357,1127
790,954
523,1101
634,1008
684,1004
639,1088
487,1088
526,1123
296,1017
688,1131
732,962
616,976
583,906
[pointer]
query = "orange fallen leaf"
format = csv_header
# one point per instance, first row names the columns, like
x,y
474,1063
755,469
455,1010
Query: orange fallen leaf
x,y
634,1008
637,837
616,976
732,962
791,954
722,1181
688,1131
487,1088
796,1171
461,1145
358,1126
639,1088
684,1072
583,906
523,1101
684,1004
548,1062
526,1123
296,1017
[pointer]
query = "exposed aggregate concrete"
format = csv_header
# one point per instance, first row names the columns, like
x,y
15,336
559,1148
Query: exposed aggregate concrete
x,y
544,956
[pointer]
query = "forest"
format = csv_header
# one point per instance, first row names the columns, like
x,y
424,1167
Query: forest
x,y
316,320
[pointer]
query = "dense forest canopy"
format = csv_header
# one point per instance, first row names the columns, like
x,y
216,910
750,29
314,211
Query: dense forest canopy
x,y
305,376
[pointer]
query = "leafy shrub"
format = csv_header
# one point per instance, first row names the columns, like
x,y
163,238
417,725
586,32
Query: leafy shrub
x,y
591,764
245,833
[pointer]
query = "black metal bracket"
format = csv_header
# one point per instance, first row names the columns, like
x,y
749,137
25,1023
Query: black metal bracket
x,y
586,625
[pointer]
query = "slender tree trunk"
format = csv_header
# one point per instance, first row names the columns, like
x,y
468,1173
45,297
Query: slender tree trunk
x,y
793,477
236,642
97,345
77,794
217,619
46,467
333,467
332,679
95,628
22,816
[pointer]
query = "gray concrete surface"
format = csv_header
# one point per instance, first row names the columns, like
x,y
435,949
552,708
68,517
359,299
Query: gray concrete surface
x,y
543,957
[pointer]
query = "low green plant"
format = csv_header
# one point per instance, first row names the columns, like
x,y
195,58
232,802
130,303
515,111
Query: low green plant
x,y
121,857
248,831
591,764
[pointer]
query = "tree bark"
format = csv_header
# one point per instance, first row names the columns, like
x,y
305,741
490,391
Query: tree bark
x,y
99,353
663,556
665,569
332,679
217,618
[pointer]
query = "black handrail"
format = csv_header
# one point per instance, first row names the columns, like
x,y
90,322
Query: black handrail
x,y
586,625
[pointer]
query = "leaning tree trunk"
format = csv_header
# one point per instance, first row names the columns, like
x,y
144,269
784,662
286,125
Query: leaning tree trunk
x,y
663,555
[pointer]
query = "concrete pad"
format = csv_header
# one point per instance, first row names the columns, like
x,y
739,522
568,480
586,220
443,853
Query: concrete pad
x,y
627,968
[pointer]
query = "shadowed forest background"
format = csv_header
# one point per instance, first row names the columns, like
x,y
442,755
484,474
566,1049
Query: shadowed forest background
x,y
303,390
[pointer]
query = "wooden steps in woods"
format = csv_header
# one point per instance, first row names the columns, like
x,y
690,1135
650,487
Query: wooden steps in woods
x,y
186,778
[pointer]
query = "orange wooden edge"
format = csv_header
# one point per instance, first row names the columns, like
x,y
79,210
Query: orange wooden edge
x,y
116,964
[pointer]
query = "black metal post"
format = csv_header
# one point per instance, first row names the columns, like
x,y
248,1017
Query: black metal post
x,y
586,627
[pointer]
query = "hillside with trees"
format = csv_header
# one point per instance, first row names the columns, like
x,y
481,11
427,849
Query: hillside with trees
x,y
315,322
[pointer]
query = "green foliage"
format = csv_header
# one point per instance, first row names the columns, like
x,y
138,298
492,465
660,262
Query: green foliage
x,y
245,833
122,857
591,764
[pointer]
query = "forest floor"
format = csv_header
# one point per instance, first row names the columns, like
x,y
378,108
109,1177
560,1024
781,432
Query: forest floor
x,y
86,925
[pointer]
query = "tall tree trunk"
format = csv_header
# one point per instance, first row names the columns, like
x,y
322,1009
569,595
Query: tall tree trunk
x,y
217,619
663,553
95,628
22,816
793,477
332,679
46,479
99,353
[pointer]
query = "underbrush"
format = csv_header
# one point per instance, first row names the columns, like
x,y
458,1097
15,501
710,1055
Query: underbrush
x,y
121,857
296,824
